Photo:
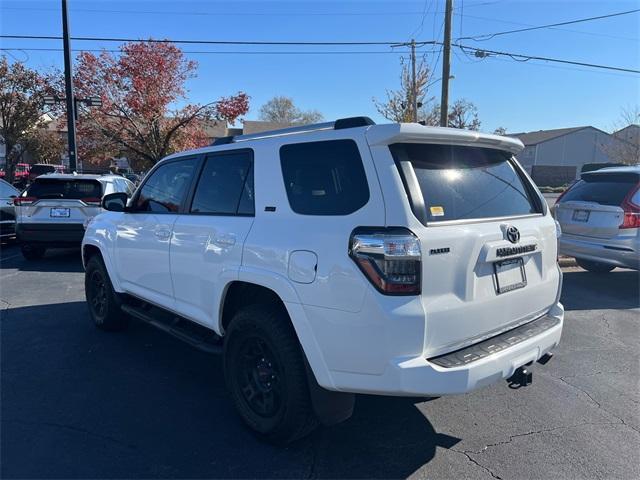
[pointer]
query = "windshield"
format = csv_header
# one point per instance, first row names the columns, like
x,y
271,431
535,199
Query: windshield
x,y
463,183
64,188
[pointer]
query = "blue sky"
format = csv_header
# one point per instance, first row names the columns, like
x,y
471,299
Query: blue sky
x,y
520,96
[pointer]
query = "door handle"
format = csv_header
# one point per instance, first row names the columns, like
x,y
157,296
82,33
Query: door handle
x,y
162,234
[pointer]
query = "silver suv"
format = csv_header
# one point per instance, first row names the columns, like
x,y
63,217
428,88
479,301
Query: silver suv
x,y
56,208
600,219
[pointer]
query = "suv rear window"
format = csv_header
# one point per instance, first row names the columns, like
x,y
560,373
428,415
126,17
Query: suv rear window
x,y
64,188
464,183
603,188
324,178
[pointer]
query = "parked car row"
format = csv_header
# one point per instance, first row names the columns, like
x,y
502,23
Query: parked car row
x,y
339,258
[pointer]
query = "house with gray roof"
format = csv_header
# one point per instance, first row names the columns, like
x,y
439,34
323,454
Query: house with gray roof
x,y
556,157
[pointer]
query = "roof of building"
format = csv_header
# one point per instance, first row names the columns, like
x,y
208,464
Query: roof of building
x,y
533,138
257,126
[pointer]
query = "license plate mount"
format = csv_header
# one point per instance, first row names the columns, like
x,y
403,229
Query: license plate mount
x,y
580,216
509,275
60,213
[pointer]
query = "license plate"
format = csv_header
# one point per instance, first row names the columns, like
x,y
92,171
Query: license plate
x,y
60,213
581,215
510,275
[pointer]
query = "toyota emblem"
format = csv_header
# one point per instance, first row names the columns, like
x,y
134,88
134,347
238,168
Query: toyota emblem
x,y
513,235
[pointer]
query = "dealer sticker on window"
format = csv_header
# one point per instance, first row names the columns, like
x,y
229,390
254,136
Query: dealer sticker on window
x,y
437,211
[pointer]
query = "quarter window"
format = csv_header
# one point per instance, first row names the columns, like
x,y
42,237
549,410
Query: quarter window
x,y
324,178
167,187
225,186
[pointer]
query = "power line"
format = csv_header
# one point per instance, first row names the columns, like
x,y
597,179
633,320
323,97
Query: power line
x,y
489,36
514,56
205,42
581,32
482,52
228,52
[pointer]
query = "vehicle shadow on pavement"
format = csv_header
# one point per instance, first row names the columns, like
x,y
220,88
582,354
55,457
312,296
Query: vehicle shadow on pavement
x,y
77,402
65,260
582,290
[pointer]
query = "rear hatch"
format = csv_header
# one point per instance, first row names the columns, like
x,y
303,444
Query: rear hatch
x,y
488,252
60,200
593,206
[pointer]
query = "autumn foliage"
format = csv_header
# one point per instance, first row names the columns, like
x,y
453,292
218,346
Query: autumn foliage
x,y
144,113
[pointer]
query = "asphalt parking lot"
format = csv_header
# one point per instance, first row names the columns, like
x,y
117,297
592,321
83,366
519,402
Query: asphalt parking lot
x,y
77,402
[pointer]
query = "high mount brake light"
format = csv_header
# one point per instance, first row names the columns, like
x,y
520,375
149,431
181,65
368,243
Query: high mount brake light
x,y
631,210
18,201
389,257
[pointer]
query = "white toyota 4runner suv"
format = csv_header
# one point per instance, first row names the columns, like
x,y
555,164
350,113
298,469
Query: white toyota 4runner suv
x,y
334,259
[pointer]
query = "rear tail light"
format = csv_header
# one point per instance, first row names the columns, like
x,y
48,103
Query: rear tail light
x,y
18,201
631,210
389,257
92,201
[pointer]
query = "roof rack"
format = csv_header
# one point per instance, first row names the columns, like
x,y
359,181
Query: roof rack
x,y
340,124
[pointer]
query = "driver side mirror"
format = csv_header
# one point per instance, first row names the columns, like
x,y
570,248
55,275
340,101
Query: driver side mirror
x,y
115,202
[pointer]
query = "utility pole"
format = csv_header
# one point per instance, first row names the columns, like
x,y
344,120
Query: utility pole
x,y
414,88
446,64
68,81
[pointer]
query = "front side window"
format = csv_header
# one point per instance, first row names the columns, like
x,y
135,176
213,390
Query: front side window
x,y
166,188
225,185
465,183
324,178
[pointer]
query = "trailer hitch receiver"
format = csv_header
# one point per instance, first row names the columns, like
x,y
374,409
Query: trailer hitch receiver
x,y
520,378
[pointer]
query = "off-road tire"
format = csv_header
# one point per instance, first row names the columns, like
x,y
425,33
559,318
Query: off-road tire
x,y
594,267
102,300
32,252
270,326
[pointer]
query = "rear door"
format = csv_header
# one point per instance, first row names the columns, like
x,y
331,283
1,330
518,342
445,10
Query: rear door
x,y
488,252
144,231
592,207
207,240
54,201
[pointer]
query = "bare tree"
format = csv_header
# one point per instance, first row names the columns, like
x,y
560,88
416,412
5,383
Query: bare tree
x,y
463,114
624,147
283,110
398,107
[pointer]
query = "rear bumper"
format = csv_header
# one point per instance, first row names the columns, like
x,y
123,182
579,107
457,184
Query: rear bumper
x,y
621,251
61,235
419,376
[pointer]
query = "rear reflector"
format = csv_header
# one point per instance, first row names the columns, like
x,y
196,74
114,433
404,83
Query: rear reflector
x,y
92,201
390,258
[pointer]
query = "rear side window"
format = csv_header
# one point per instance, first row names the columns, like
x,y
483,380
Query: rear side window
x,y
605,189
324,178
166,188
43,188
464,183
225,186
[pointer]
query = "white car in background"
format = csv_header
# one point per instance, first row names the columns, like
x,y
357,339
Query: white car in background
x,y
600,219
56,208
